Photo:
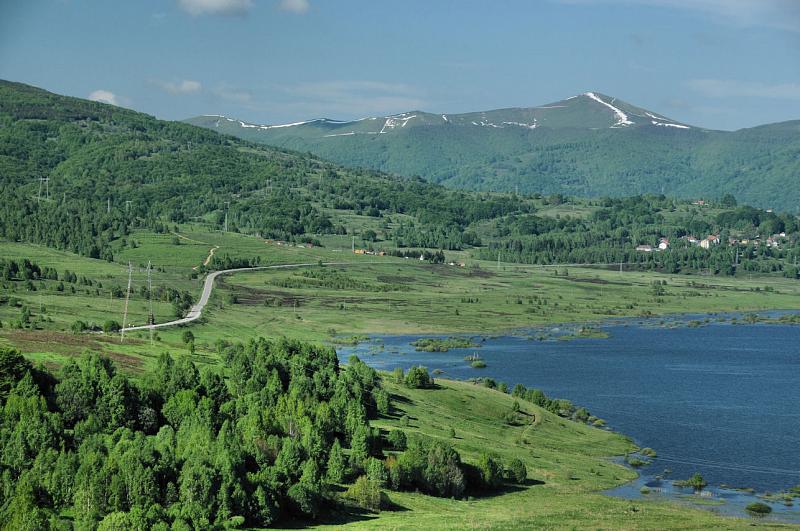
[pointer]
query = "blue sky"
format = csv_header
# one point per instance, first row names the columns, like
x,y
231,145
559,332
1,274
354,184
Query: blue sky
x,y
722,64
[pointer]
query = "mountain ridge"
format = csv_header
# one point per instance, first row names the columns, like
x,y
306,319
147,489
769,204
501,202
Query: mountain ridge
x,y
587,145
619,111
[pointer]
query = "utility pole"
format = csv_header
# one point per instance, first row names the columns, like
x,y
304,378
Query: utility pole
x,y
108,206
46,182
498,260
354,244
127,298
227,206
151,320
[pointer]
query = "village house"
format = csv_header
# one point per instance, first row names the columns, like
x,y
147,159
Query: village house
x,y
645,248
712,240
663,244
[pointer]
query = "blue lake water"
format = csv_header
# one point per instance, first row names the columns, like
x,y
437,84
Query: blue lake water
x,y
721,399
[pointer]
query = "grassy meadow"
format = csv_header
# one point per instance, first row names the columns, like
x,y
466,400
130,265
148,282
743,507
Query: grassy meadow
x,y
361,294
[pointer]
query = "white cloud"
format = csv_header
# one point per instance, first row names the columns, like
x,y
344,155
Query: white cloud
x,y
721,88
104,96
295,6
779,14
187,86
216,7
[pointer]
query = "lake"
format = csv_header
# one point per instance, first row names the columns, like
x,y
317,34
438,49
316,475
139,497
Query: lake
x,y
721,399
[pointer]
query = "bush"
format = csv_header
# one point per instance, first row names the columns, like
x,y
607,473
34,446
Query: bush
x,y
398,375
418,378
397,439
758,509
517,471
111,326
433,467
376,471
491,471
365,493
697,482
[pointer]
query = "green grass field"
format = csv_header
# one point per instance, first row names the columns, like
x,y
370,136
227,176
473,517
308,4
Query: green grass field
x,y
366,295
424,298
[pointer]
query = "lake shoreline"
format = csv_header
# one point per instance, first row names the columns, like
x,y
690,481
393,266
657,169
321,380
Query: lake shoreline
x,y
393,350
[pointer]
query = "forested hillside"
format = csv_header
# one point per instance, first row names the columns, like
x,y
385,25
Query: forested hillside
x,y
588,146
112,171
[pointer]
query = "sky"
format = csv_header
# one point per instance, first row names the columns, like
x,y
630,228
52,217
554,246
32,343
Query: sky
x,y
719,64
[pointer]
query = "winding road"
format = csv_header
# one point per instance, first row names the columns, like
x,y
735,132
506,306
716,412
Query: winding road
x,y
197,310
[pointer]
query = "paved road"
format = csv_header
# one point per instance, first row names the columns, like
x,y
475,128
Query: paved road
x,y
197,309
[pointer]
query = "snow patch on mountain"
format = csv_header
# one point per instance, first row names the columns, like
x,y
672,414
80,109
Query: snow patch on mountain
x,y
534,125
397,120
664,122
622,118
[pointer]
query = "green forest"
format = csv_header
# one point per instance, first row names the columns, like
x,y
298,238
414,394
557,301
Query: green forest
x,y
268,438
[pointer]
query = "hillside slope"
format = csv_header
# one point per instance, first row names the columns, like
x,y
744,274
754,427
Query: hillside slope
x,y
590,145
112,170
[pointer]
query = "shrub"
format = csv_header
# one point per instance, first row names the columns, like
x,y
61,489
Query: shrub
x,y
491,471
398,375
758,509
517,471
397,439
376,471
111,326
365,493
697,482
433,467
418,378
